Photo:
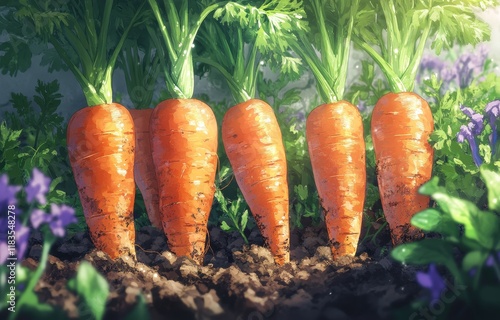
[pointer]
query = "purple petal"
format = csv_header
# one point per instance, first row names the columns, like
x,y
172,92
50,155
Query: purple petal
x,y
493,108
7,192
467,111
476,125
4,251
464,133
424,279
38,217
38,187
57,228
61,216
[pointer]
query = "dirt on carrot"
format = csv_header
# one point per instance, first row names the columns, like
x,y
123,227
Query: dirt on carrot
x,y
101,144
401,126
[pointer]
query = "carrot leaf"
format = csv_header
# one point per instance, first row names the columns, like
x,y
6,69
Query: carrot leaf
x,y
79,32
178,23
329,31
395,32
241,38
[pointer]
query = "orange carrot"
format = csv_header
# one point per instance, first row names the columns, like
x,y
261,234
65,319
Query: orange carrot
x,y
336,144
101,151
400,127
253,143
144,170
184,144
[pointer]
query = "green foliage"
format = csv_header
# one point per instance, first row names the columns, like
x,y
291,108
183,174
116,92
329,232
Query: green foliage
x,y
34,135
233,218
242,37
92,288
394,33
453,160
463,253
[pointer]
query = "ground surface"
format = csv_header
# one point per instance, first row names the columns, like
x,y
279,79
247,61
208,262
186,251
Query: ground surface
x,y
237,281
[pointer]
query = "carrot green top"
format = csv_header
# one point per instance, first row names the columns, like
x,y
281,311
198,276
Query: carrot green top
x,y
331,24
179,22
244,37
400,29
79,31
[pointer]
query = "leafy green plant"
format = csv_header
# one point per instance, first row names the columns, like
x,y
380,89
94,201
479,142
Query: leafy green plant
x,y
92,288
233,218
39,132
468,242
456,111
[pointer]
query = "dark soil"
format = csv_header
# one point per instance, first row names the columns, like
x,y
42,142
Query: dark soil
x,y
236,281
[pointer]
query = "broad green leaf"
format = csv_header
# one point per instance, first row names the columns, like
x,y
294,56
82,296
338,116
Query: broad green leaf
x,y
479,225
93,287
424,252
430,187
474,259
433,220
492,181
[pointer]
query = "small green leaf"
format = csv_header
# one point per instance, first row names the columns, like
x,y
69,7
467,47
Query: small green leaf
x,y
224,226
93,287
492,181
430,187
424,252
427,220
140,310
474,259
244,220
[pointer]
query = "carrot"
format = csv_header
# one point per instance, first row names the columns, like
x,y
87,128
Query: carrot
x,y
144,170
184,143
253,143
101,151
334,133
401,125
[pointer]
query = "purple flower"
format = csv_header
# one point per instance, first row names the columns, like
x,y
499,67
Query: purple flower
x,y
477,123
21,239
4,251
38,217
490,262
492,111
58,219
7,193
466,133
431,62
432,281
469,65
38,187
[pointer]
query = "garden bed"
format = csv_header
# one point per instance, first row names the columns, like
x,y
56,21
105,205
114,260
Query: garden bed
x,y
237,281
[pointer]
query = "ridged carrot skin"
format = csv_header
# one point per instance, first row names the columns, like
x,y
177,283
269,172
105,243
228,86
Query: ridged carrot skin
x,y
401,125
184,143
144,169
253,143
101,146
334,133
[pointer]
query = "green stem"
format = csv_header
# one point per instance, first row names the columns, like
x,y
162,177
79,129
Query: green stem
x,y
394,80
29,290
180,82
239,94
305,51
89,90
409,75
